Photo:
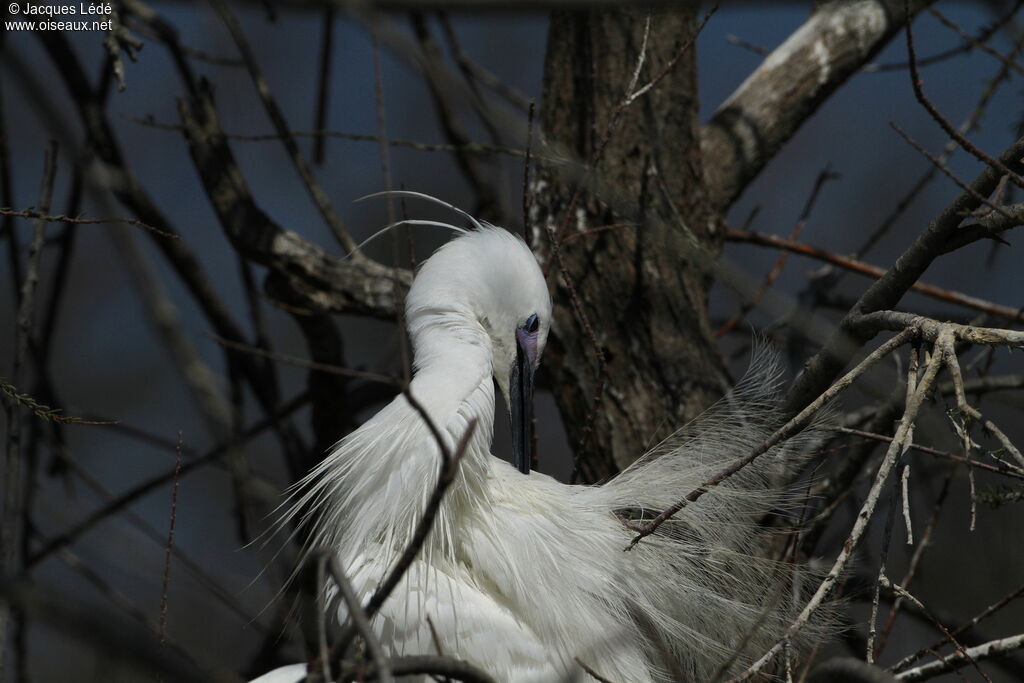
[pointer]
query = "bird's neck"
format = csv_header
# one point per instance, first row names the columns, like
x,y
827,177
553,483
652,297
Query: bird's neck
x,y
453,384
452,358
376,482
454,376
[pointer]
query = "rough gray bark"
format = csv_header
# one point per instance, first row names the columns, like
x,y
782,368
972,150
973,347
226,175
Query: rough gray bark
x,y
645,304
662,366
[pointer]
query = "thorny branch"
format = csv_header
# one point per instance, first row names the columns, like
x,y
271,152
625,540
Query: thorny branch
x,y
29,213
44,412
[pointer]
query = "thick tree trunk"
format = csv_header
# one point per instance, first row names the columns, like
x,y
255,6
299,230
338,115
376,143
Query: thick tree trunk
x,y
635,282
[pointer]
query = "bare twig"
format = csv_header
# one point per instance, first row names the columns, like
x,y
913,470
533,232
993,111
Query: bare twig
x,y
119,600
590,671
323,83
36,215
405,358
411,665
276,116
203,578
130,192
324,283
479,74
527,189
828,585
951,131
989,226
162,314
19,465
794,425
968,125
945,455
309,365
136,648
949,174
949,356
118,39
960,651
170,543
885,293
906,662
1008,62
359,619
746,45
469,72
7,228
915,560
930,329
448,470
477,148
853,265
140,490
45,412
323,650
911,390
451,123
983,36
957,660
636,93
823,177
904,476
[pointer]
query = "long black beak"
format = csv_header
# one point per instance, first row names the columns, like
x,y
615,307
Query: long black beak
x,y
521,410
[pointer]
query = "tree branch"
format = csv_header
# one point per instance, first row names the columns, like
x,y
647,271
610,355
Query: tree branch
x,y
356,284
753,124
851,264
887,291
959,659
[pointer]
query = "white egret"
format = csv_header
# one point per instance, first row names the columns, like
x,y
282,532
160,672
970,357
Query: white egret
x,y
521,574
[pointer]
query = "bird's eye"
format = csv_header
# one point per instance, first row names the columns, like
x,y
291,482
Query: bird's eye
x,y
532,323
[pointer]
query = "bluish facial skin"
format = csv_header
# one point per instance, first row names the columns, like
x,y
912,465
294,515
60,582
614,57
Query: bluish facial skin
x,y
521,393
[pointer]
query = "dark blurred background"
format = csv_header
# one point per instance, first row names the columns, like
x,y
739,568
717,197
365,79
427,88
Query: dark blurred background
x,y
109,363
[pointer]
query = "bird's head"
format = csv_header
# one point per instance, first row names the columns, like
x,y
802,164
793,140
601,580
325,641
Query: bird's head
x,y
488,279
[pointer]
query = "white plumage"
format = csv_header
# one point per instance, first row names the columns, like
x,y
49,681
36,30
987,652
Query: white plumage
x,y
522,574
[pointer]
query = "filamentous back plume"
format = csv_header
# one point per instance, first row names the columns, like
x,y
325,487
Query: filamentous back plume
x,y
525,576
